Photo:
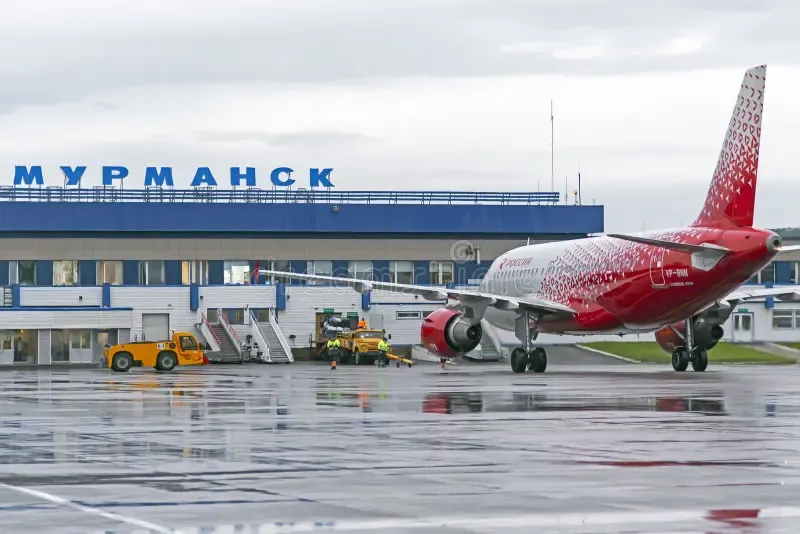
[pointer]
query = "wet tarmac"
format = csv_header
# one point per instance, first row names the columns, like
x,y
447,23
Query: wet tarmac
x,y
300,448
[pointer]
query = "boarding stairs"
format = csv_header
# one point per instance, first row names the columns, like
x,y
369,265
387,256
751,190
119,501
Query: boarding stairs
x,y
278,350
227,346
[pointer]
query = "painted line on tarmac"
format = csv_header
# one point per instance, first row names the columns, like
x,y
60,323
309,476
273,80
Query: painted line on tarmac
x,y
592,520
89,510
604,353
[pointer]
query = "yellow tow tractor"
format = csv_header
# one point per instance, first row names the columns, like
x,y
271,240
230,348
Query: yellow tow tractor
x,y
182,349
360,347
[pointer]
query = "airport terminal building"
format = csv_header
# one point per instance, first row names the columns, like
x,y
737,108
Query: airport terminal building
x,y
84,267
81,268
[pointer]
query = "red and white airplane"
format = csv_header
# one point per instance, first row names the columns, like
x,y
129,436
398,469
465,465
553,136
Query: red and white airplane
x,y
681,283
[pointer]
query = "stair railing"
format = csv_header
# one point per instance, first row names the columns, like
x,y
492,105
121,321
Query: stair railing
x,y
231,332
258,336
208,333
273,322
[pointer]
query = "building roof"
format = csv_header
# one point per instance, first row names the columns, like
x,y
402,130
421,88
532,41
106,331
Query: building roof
x,y
30,211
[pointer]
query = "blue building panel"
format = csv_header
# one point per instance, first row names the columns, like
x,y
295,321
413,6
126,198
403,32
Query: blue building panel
x,y
87,272
216,272
173,273
422,272
130,272
44,273
783,272
380,270
399,214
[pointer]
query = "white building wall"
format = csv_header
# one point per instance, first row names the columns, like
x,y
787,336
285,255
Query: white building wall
x,y
55,319
162,299
763,326
303,303
61,296
254,296
404,331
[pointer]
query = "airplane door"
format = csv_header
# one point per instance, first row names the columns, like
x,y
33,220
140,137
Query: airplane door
x,y
743,330
657,268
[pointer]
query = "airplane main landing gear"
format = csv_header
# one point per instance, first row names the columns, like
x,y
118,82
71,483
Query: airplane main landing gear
x,y
528,358
682,356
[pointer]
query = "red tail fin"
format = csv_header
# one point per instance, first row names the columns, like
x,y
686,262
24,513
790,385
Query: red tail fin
x,y
731,198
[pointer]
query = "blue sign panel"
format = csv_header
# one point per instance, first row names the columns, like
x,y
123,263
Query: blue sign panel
x,y
160,176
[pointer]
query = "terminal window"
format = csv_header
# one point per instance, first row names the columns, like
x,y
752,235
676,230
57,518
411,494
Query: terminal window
x,y
194,272
22,272
401,272
783,319
59,346
319,268
109,272
284,266
65,273
237,272
766,275
152,273
360,270
441,272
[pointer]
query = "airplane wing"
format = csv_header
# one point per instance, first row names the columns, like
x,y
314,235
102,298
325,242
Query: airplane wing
x,y
744,293
475,300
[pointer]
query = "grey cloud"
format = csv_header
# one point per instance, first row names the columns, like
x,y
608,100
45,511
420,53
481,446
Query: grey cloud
x,y
296,139
319,41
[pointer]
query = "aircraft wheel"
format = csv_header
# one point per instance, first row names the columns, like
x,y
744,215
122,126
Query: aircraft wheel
x,y
538,360
700,361
680,359
519,360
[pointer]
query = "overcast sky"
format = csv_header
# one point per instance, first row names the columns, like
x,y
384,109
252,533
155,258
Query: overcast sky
x,y
411,94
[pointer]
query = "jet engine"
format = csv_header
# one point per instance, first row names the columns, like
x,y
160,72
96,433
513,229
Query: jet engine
x,y
445,333
706,335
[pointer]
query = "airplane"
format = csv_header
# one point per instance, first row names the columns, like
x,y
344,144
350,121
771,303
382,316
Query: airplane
x,y
681,283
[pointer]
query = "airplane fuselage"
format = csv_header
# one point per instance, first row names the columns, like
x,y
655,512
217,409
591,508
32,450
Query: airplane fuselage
x,y
618,286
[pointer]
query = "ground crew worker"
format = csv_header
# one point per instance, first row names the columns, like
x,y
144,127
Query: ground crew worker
x,y
383,348
362,324
333,351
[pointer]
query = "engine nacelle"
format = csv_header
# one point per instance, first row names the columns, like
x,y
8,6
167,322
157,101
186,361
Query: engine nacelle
x,y
445,333
706,335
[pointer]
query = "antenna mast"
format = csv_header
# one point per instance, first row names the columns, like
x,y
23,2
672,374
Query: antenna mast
x,y
552,149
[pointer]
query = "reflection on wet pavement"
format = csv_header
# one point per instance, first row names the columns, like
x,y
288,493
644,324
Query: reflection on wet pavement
x,y
473,449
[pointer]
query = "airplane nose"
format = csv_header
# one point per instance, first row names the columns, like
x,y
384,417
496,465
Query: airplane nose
x,y
774,243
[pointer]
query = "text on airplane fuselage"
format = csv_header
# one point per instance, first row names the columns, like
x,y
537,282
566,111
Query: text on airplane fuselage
x,y
519,262
157,176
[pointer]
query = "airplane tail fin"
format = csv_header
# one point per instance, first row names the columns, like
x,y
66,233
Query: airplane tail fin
x,y
731,197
